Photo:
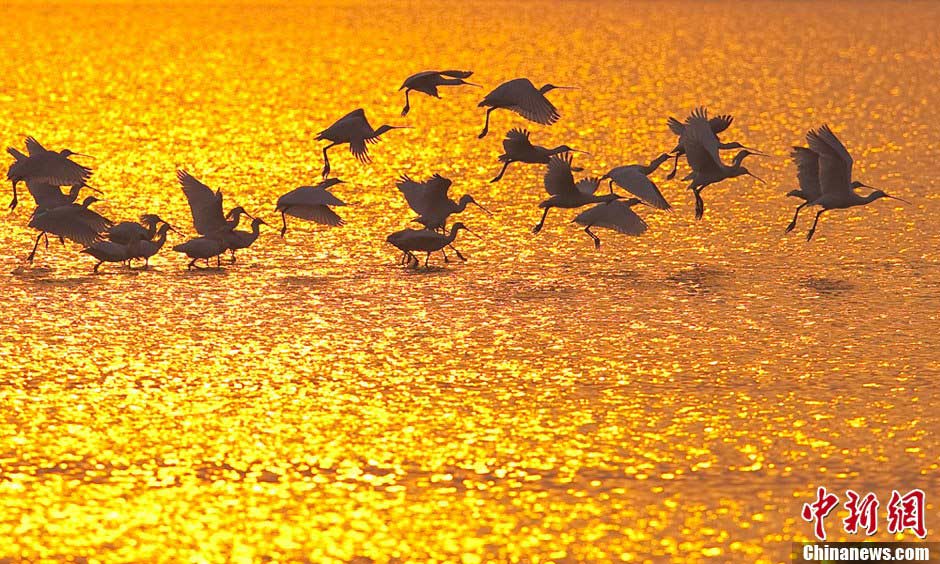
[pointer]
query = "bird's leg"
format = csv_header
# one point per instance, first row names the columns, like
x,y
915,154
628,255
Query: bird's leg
x,y
192,264
443,252
675,168
61,240
486,124
45,238
32,254
284,219
610,184
404,111
326,160
426,259
14,202
796,215
597,241
95,270
146,263
538,226
218,260
502,172
812,229
233,256
699,203
460,256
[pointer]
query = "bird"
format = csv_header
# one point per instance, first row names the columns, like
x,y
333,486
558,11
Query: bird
x,y
517,148
206,207
45,166
522,97
717,124
48,196
616,215
202,248
430,201
410,241
352,128
107,251
238,239
125,232
428,81
146,248
313,203
824,171
564,192
75,222
635,179
701,148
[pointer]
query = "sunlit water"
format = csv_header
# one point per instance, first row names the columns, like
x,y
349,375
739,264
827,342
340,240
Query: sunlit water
x,y
675,395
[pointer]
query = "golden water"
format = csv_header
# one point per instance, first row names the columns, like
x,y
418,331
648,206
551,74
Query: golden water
x,y
678,395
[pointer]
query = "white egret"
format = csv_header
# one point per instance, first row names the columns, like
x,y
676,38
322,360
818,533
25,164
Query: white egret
x,y
313,203
45,166
517,148
826,176
410,241
354,129
635,179
717,124
521,96
238,239
75,222
202,248
564,192
428,81
616,215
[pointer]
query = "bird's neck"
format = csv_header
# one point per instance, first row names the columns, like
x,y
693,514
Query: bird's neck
x,y
656,163
73,192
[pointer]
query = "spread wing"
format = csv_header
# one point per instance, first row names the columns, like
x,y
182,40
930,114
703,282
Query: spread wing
x,y
53,168
516,141
588,186
701,145
835,162
638,184
320,214
615,215
205,205
558,178
675,126
33,147
720,123
418,196
534,106
46,196
807,172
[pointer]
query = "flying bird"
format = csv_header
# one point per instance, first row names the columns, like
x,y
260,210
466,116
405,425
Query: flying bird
x,y
517,148
564,192
717,124
238,239
824,172
45,166
411,241
635,179
428,81
616,215
206,207
75,222
701,148
430,201
521,96
354,129
313,203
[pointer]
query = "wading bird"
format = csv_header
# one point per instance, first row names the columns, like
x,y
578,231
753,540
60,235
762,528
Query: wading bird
x,y
75,222
107,251
616,215
202,248
352,128
45,166
560,185
517,148
824,172
521,96
635,179
701,148
146,248
410,241
125,232
49,196
238,239
312,203
430,201
206,207
428,81
717,124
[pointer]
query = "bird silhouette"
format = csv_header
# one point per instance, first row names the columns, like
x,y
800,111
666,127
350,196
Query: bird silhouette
x,y
48,196
354,129
206,207
146,248
75,222
427,82
824,171
617,215
564,192
410,241
635,179
45,166
518,148
238,239
107,251
521,96
313,203
430,201
202,248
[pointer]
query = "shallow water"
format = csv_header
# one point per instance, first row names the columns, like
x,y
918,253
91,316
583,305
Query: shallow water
x,y
675,395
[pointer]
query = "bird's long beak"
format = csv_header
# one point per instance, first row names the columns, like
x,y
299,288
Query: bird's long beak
x,y
488,212
582,152
83,155
759,153
467,229
93,189
899,199
568,88
472,84
263,222
761,180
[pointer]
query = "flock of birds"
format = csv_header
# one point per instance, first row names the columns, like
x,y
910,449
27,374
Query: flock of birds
x,y
824,172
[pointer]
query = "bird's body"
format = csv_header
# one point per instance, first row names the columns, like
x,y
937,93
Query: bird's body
x,y
75,222
206,207
107,251
239,239
701,148
313,203
146,248
48,196
824,171
717,124
427,82
410,241
43,166
616,215
125,232
517,148
352,129
430,201
522,97
201,248
635,179
564,192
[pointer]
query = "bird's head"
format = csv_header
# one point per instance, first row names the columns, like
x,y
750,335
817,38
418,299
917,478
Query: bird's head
x,y
468,199
258,221
567,149
150,219
237,212
460,226
632,202
743,171
878,194
164,228
331,182
89,201
795,193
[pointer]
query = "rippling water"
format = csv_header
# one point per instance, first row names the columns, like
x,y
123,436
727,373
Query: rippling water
x,y
675,395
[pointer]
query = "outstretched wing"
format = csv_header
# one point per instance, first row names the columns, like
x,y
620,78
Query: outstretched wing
x,y
419,198
835,162
720,123
675,126
558,178
701,144
46,196
320,214
33,147
588,186
53,168
360,150
205,205
615,215
521,96
807,172
638,184
516,141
